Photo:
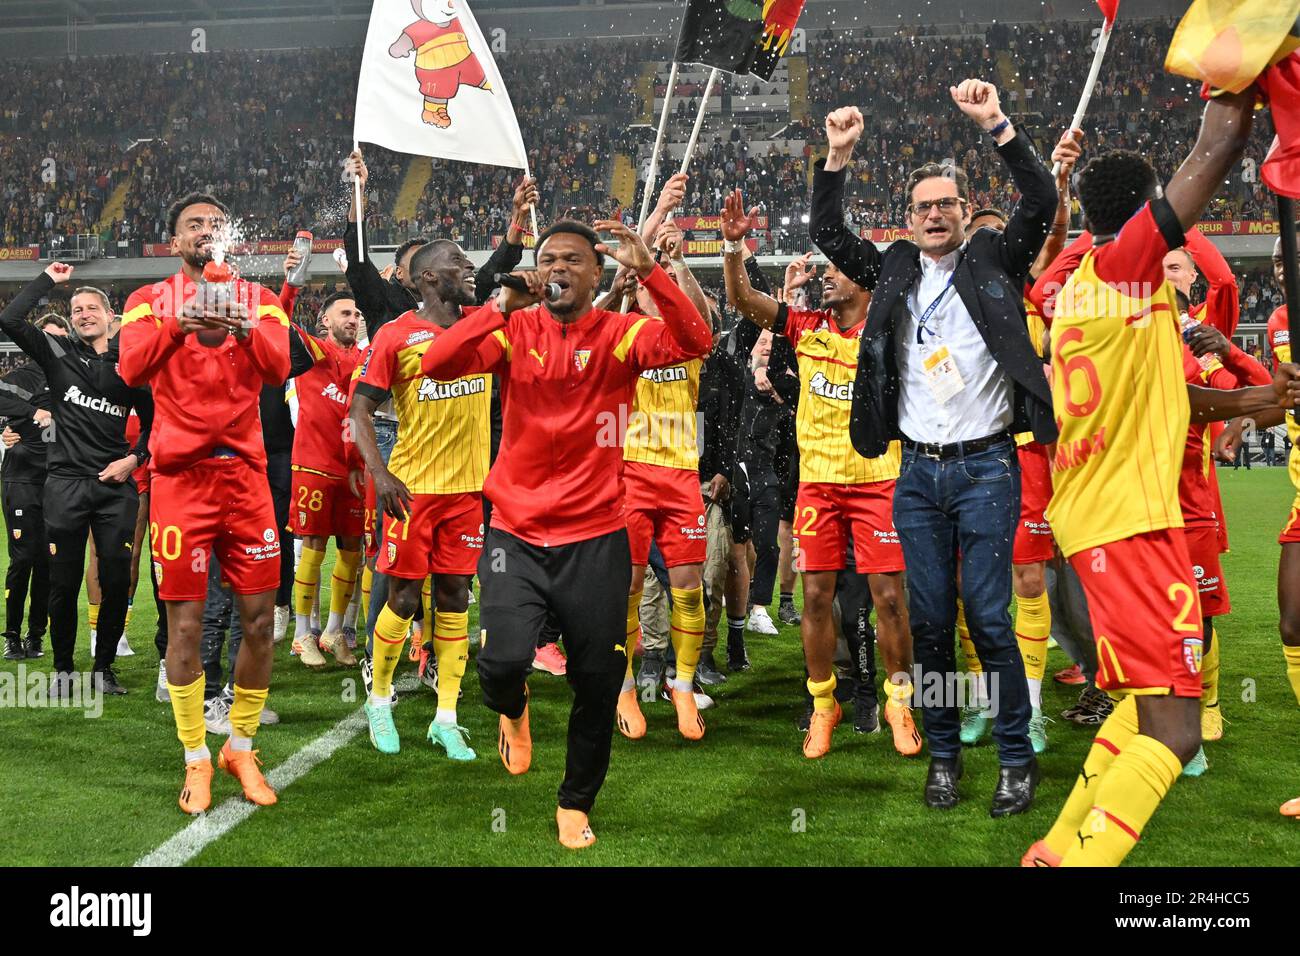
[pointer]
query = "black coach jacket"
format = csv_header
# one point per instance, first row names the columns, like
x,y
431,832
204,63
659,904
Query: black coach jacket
x,y
990,280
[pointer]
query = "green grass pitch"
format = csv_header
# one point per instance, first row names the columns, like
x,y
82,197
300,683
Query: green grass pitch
x,y
103,792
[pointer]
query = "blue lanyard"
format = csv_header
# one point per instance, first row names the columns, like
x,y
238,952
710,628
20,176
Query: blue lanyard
x,y
926,315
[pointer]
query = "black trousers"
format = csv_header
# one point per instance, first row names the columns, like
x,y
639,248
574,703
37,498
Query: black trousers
x,y
280,477
75,508
29,559
765,509
584,587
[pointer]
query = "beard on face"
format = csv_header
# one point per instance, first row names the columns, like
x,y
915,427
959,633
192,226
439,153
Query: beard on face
x,y
453,292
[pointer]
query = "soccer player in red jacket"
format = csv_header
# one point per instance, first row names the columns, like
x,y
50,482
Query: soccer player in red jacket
x,y
558,541
209,490
327,496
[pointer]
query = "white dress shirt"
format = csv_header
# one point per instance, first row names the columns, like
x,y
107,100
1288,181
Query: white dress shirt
x,y
983,406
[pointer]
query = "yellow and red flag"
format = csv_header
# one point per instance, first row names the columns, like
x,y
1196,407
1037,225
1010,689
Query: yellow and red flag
x,y
738,36
1229,43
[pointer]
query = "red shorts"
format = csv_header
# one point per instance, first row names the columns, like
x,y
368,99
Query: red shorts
x,y
443,83
141,476
825,514
1203,548
220,505
664,505
1033,534
323,506
372,519
442,534
1291,533
1145,612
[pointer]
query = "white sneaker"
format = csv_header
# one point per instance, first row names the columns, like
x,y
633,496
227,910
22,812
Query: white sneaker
x,y
471,596
216,715
281,630
161,693
760,622
124,649
92,643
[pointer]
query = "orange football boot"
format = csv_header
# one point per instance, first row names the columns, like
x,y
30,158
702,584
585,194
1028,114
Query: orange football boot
x,y
907,741
242,765
817,742
631,722
515,743
1040,854
196,795
689,722
575,831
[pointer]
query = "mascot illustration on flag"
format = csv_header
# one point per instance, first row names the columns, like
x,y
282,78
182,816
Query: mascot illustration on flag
x,y
443,60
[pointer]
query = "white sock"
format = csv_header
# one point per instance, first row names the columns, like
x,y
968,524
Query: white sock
x,y
684,686
629,683
315,609
380,701
335,623
203,753
303,622
239,743
982,700
1035,692
447,717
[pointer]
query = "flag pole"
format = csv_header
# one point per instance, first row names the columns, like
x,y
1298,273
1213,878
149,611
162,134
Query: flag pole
x,y
361,212
532,210
699,122
1102,42
1290,271
659,141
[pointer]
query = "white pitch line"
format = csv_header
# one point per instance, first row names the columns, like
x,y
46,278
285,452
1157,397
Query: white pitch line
x,y
213,825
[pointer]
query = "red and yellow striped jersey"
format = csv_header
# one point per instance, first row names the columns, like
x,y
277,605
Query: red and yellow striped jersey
x,y
662,429
442,427
1119,394
828,364
1279,341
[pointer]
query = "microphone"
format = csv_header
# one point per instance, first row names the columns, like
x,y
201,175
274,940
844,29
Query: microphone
x,y
553,290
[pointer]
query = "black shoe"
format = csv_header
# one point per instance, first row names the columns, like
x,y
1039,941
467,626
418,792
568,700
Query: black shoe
x,y
706,673
737,659
843,688
652,671
106,683
805,719
14,650
61,684
1015,792
866,716
33,647
1092,708
941,782
789,614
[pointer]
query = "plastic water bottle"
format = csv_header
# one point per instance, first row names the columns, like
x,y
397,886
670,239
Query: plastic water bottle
x,y
302,245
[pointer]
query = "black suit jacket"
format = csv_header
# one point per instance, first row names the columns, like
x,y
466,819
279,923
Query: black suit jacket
x,y
990,281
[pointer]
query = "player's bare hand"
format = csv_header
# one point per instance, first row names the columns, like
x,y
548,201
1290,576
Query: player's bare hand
x,y
1067,152
354,167
736,223
292,261
512,300
60,272
386,272
670,240
393,496
719,489
9,437
631,250
673,194
978,100
120,470
1229,440
43,417
357,482
763,383
1207,340
526,194
1286,384
799,272
844,128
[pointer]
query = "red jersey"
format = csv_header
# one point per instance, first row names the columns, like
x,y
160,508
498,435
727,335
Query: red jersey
x,y
204,398
322,370
566,393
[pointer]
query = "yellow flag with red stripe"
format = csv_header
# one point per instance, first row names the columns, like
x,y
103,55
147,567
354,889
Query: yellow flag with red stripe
x,y
1229,43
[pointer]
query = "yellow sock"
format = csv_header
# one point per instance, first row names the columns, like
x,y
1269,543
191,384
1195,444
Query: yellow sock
x,y
390,635
92,614
305,581
246,711
1293,669
127,623
1210,673
633,632
1129,793
1033,627
343,581
973,665
899,694
451,646
823,693
687,631
187,708
367,579
1112,737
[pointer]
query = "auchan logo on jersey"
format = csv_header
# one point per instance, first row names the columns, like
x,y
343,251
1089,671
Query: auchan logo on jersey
x,y
76,397
432,391
659,376
823,387
334,394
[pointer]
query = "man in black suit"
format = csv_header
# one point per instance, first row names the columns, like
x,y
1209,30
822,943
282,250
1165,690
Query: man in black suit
x,y
946,366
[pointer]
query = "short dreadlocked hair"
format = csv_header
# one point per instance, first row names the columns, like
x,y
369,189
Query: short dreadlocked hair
x,y
1112,187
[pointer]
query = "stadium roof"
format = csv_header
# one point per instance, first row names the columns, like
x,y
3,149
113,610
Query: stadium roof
x,y
48,13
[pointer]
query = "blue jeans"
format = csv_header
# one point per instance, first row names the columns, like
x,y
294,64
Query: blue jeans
x,y
967,505
385,438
